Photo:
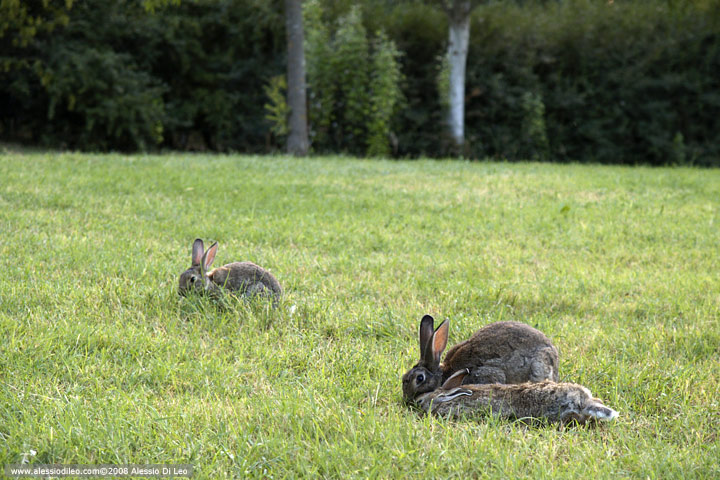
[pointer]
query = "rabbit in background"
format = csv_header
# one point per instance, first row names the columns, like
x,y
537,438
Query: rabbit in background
x,y
244,278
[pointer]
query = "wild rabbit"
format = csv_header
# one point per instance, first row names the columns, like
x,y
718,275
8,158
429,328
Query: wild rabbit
x,y
501,352
244,278
554,402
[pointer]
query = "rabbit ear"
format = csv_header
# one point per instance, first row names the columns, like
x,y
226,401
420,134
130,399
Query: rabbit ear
x,y
209,256
426,334
455,380
440,338
452,395
600,412
197,252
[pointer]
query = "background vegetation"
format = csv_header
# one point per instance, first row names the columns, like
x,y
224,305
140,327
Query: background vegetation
x,y
625,81
102,362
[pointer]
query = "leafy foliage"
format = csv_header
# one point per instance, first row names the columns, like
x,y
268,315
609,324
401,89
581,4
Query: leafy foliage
x,y
351,60
619,81
534,131
22,21
354,83
277,107
119,78
321,91
385,93
120,104
628,81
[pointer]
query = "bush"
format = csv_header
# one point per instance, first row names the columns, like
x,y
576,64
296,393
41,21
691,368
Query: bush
x,y
82,86
611,82
217,57
384,93
629,81
117,77
102,100
354,84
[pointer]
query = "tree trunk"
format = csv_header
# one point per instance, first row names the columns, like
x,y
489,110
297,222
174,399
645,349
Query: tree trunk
x,y
459,20
297,141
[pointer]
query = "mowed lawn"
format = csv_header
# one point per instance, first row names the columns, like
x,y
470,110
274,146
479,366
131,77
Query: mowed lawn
x,y
102,362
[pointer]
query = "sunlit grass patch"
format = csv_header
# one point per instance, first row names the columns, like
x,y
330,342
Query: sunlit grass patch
x,y
103,362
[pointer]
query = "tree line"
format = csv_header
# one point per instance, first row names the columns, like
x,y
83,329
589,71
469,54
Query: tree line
x,y
623,81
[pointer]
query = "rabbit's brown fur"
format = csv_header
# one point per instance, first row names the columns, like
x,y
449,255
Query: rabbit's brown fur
x,y
521,352
554,402
244,278
502,352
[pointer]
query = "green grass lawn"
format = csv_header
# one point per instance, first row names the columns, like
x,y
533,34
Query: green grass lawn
x,y
102,362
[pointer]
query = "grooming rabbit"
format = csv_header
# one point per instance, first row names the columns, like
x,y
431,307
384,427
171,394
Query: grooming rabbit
x,y
244,278
502,352
555,402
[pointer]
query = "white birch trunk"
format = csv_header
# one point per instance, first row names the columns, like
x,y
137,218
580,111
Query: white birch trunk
x,y
459,20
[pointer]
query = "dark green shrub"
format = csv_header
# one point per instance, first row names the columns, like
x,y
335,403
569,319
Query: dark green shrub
x,y
217,57
420,32
119,77
620,83
102,99
354,84
384,93
83,88
629,81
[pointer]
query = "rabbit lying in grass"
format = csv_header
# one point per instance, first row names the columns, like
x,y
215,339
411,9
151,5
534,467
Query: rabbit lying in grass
x,y
244,278
502,352
554,402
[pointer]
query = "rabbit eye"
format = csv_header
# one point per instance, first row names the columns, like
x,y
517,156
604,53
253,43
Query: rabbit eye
x,y
420,378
